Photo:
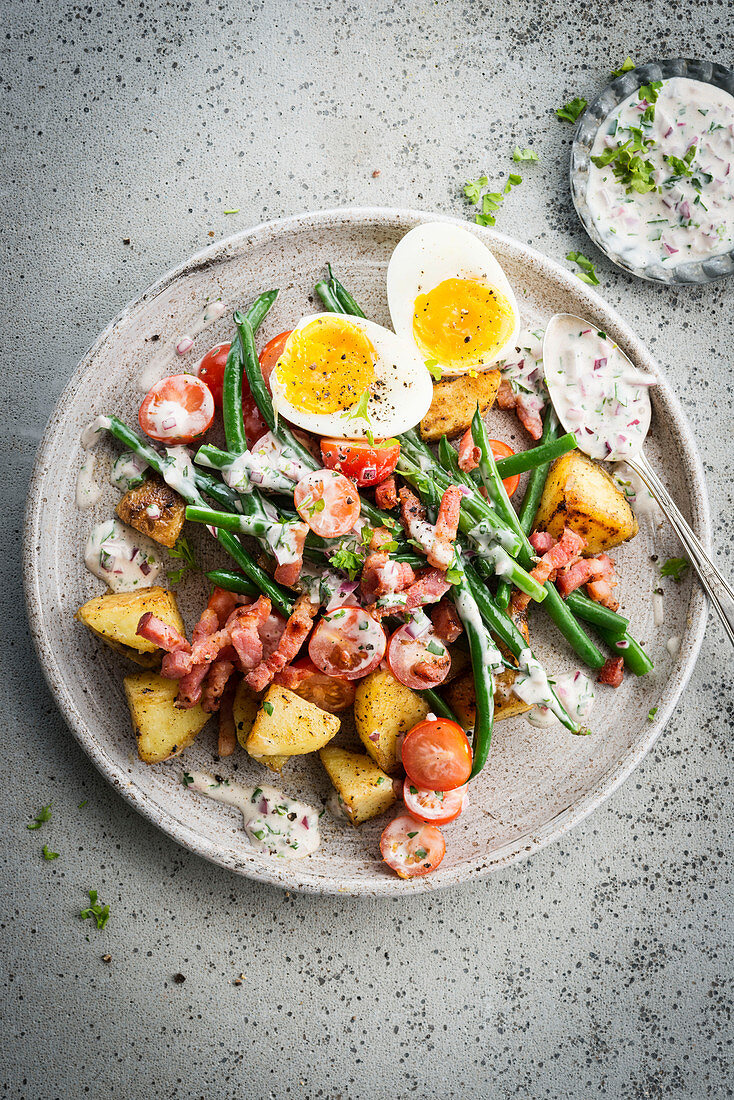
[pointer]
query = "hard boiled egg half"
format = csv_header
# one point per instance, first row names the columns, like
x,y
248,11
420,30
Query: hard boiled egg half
x,y
450,298
349,378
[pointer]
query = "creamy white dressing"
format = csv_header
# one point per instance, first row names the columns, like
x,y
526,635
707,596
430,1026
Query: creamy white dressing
x,y
128,471
636,493
179,345
269,465
596,392
276,825
88,490
282,540
121,557
93,432
524,370
178,472
335,806
673,645
171,420
469,613
689,215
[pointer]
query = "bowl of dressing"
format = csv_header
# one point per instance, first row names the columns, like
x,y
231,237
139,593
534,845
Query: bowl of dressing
x,y
652,171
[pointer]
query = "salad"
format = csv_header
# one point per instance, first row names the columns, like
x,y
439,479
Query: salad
x,y
368,564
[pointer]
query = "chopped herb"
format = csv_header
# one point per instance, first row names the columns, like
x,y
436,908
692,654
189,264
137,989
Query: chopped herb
x,y
43,815
434,369
651,713
187,779
268,708
454,576
380,780
571,111
682,166
673,567
101,913
349,562
48,854
513,179
82,803
358,411
413,790
588,271
183,551
473,189
435,648
257,793
420,853
519,155
625,67
411,835
235,211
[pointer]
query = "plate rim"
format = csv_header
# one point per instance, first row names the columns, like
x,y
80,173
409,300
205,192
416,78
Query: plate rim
x,y
293,875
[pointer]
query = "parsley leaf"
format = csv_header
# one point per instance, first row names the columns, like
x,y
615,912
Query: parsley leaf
x,y
349,562
435,648
268,708
651,713
358,411
588,271
673,567
43,815
682,166
519,155
420,853
625,67
184,552
187,779
48,854
454,576
434,369
101,913
571,111
473,189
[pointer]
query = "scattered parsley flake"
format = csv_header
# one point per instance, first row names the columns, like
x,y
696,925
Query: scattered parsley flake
x,y
434,369
268,708
625,67
82,803
673,567
187,779
473,189
411,835
651,713
588,271
48,854
420,853
435,648
519,155
235,211
184,552
454,576
100,913
571,111
349,562
358,411
43,815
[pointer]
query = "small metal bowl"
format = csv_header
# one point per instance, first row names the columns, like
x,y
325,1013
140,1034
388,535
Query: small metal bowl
x,y
596,114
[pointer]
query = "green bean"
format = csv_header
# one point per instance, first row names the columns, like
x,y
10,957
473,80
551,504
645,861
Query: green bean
x,y
483,677
596,613
234,427
541,455
256,313
343,297
328,296
279,598
231,581
438,705
625,646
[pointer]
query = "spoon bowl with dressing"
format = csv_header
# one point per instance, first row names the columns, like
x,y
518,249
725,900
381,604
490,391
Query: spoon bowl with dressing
x,y
600,396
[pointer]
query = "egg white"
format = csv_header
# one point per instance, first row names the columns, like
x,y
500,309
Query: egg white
x,y
400,395
430,254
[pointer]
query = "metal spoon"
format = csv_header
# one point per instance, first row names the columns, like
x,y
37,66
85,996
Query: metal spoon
x,y
567,372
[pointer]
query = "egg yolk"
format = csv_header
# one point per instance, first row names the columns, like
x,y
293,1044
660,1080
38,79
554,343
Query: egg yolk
x,y
462,322
326,366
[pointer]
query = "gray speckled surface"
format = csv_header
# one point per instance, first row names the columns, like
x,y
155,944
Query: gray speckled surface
x,y
603,964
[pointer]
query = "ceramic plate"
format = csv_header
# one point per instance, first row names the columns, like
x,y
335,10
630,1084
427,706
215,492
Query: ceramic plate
x,y
538,783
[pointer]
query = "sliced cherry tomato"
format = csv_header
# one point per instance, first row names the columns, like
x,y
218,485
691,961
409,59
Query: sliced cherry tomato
x,y
503,450
178,409
255,426
434,807
363,462
419,662
436,755
211,370
328,502
271,353
347,643
327,692
412,848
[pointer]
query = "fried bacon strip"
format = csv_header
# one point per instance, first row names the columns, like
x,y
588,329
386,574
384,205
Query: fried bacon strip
x,y
437,542
562,553
296,631
386,494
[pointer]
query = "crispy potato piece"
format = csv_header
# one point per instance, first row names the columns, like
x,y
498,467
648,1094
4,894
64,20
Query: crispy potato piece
x,y
454,402
581,495
167,507
161,729
383,709
114,618
286,725
245,707
460,696
364,789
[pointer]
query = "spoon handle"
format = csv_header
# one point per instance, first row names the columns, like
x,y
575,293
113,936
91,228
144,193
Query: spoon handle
x,y
715,585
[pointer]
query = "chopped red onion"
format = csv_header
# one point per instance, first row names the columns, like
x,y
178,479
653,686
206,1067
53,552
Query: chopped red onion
x,y
144,568
264,806
599,363
343,592
684,210
668,132
374,736
185,344
135,550
304,822
169,422
419,625
256,476
669,249
369,473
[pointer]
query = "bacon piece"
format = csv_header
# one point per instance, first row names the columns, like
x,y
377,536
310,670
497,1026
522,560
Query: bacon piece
x,y
381,575
296,631
601,592
599,576
433,672
175,665
427,589
289,572
386,494
214,616
612,672
446,621
161,634
227,739
271,631
217,679
541,541
560,554
469,453
505,395
528,408
436,542
223,603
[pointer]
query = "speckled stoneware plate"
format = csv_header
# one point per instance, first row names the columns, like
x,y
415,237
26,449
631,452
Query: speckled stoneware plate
x,y
538,783
595,116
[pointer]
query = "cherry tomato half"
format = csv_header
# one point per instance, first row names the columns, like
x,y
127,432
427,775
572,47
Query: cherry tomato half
x,y
211,370
434,807
327,692
255,426
437,755
365,463
347,643
503,450
418,663
328,502
412,848
271,353
178,409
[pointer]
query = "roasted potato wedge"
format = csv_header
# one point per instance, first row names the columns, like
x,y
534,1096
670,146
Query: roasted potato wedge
x,y
460,696
154,509
161,729
364,789
114,618
286,725
454,402
383,709
245,707
581,495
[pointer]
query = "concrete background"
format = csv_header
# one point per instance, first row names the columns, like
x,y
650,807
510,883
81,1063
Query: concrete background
x,y
601,966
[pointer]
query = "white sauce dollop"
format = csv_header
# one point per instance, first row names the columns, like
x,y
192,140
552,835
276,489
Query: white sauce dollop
x,y
88,490
275,824
121,557
575,690
128,471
